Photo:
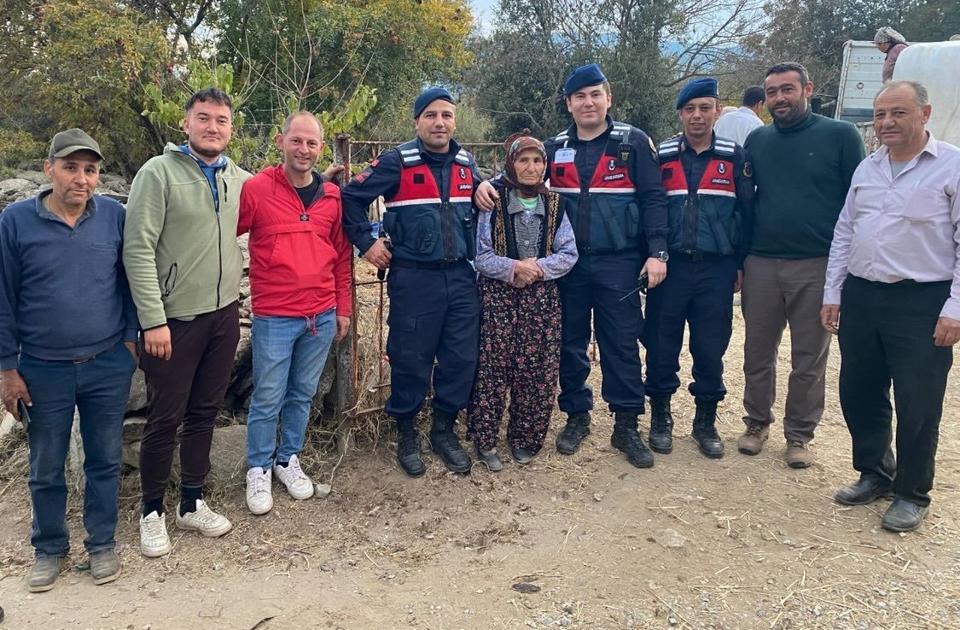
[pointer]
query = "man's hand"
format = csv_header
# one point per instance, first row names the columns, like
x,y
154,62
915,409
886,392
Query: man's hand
x,y
343,327
656,271
486,196
378,255
830,318
738,283
947,332
156,342
132,348
526,272
332,172
12,389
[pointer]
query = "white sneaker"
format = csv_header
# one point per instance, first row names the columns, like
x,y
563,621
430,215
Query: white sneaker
x,y
204,520
154,541
259,491
298,484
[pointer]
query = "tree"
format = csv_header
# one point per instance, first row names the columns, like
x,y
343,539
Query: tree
x,y
646,49
81,63
323,52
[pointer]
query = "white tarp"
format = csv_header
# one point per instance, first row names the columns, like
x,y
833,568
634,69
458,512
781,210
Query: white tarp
x,y
937,66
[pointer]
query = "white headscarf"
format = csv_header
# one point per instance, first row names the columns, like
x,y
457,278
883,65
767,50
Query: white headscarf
x,y
887,34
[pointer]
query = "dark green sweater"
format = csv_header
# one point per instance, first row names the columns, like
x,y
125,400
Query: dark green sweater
x,y
802,174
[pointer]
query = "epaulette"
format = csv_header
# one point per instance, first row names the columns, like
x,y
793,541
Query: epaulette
x,y
669,148
463,157
410,153
724,147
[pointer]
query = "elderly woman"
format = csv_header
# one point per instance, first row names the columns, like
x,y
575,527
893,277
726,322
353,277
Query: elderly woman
x,y
523,246
892,43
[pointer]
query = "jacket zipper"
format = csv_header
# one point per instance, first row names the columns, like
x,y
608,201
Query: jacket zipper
x,y
220,241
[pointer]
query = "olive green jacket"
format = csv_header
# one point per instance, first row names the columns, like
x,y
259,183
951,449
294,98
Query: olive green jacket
x,y
179,251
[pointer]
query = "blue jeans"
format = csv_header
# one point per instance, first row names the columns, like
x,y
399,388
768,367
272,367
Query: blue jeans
x,y
99,389
288,357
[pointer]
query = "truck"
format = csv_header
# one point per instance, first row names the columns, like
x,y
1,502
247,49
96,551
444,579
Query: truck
x,y
934,64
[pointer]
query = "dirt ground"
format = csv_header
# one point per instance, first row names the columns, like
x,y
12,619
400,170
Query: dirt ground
x,y
580,542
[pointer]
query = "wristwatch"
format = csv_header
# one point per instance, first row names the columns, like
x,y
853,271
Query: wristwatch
x,y
662,256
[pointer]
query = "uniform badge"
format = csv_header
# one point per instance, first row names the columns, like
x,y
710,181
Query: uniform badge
x,y
721,168
624,151
612,165
747,169
463,173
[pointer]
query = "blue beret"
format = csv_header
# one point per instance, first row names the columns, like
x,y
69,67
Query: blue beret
x,y
697,88
428,96
583,76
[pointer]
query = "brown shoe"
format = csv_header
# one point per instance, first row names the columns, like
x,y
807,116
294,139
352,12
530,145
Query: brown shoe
x,y
798,455
751,442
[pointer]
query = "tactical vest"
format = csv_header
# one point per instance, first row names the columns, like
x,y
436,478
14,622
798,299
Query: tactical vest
x,y
603,212
502,230
424,224
706,222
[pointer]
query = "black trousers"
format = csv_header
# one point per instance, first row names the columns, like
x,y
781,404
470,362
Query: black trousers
x,y
434,315
886,335
187,389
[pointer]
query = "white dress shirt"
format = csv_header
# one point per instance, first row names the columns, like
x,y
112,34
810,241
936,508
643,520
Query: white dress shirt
x,y
737,125
901,228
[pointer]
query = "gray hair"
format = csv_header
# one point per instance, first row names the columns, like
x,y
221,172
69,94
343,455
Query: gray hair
x,y
920,95
285,128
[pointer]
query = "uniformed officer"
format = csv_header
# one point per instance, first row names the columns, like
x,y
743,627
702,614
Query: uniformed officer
x,y
706,192
608,173
427,241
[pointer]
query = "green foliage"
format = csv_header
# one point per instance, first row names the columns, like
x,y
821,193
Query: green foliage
x,y
81,63
17,147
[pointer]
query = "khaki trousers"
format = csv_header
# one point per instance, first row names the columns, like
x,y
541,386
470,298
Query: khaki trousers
x,y
776,293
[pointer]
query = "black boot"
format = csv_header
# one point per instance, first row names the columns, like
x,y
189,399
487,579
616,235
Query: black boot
x,y
661,424
626,438
577,428
444,442
408,448
705,430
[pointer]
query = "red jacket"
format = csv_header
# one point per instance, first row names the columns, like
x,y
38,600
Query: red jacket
x,y
300,259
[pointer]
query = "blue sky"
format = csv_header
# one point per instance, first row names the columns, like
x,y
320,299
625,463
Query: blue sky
x,y
483,11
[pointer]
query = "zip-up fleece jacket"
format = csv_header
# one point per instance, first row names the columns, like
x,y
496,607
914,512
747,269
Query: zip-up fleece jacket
x,y
300,258
180,249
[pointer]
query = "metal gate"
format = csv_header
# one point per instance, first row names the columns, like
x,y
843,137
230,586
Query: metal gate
x,y
362,388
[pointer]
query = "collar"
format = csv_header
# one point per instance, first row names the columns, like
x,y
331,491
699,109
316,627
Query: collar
x,y
572,131
220,163
44,213
514,206
684,145
932,147
452,151
746,110
803,123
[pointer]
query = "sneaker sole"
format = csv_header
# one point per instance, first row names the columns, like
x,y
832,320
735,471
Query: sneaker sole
x,y
302,497
155,553
209,533
799,465
262,511
107,579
